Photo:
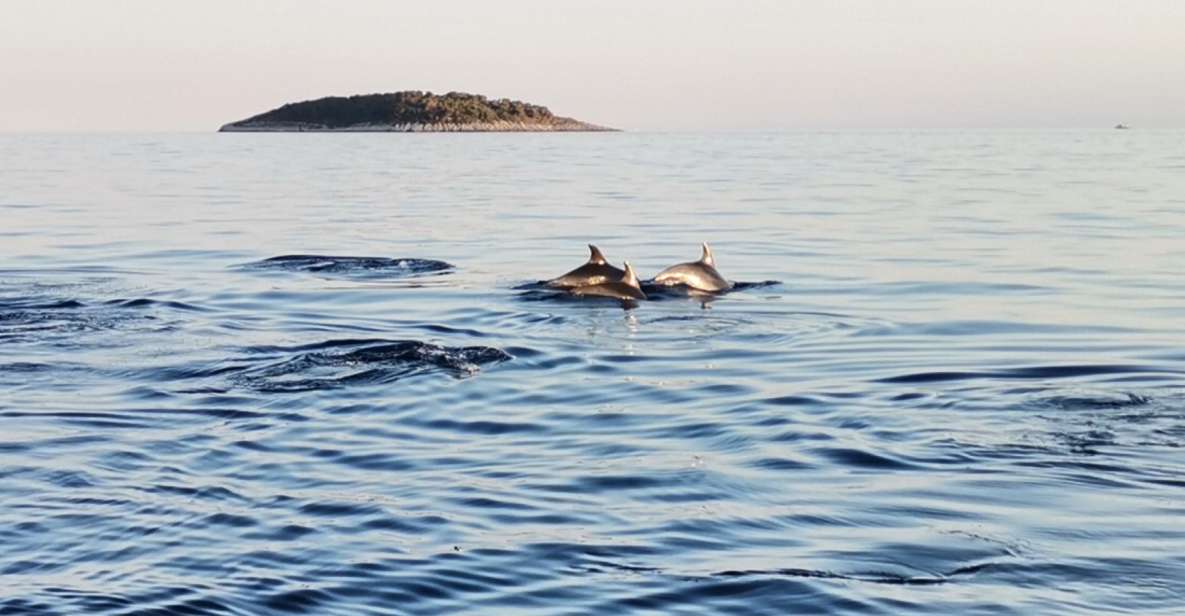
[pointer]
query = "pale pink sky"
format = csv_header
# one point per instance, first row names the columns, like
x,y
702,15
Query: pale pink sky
x,y
67,65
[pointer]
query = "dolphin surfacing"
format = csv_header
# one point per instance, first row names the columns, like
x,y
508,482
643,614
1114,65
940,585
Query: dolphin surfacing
x,y
626,288
594,272
699,275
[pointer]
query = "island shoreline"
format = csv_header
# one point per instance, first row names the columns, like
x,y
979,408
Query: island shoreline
x,y
237,127
410,111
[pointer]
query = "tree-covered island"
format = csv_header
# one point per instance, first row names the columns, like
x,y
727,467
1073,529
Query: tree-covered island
x,y
410,111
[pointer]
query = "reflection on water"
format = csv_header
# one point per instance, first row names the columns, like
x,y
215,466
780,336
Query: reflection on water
x,y
961,390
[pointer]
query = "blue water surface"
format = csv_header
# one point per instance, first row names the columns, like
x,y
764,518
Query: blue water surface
x,y
965,394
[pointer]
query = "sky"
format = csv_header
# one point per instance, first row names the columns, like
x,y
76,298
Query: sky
x,y
140,65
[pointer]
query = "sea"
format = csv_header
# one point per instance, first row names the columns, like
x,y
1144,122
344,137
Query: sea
x,y
249,374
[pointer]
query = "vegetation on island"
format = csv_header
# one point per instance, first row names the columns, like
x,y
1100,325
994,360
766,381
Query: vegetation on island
x,y
410,108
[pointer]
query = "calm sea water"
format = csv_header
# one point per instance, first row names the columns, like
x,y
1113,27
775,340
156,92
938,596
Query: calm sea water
x,y
966,395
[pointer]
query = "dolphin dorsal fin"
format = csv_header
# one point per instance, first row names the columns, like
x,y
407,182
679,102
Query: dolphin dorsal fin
x,y
595,255
629,277
707,258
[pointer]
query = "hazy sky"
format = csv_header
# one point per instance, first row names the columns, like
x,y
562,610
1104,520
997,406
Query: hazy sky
x,y
636,64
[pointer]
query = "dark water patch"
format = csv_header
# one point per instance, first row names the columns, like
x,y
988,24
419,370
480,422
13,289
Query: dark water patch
x,y
193,607
521,352
332,509
1102,401
155,415
871,577
760,597
213,493
724,436
936,377
860,459
303,601
446,329
793,401
491,503
1069,371
781,464
408,525
376,462
90,602
144,302
480,427
353,267
287,532
71,479
62,322
1032,372
15,304
597,484
790,436
228,520
1093,422
38,326
342,363
25,367
724,389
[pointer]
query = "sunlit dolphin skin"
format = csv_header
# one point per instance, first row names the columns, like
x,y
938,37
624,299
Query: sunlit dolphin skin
x,y
626,288
595,272
699,275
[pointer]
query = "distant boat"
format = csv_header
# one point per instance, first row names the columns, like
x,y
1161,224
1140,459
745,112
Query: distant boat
x,y
1121,126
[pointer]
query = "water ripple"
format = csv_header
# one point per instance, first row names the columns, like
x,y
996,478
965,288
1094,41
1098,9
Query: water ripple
x,y
965,397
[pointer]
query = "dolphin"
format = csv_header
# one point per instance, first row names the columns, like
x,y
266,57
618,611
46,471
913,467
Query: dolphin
x,y
699,275
627,288
596,271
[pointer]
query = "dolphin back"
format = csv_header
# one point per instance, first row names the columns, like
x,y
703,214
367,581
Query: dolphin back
x,y
697,275
587,274
615,290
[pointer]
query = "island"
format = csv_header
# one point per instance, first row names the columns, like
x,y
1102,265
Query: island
x,y
410,111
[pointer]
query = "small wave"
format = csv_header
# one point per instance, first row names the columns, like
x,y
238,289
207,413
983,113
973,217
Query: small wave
x,y
356,267
37,303
24,367
146,302
339,363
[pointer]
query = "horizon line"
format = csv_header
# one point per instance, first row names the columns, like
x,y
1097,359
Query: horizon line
x,y
783,129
